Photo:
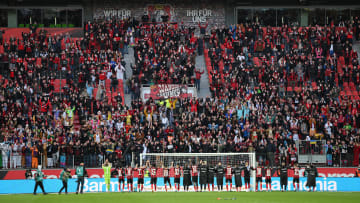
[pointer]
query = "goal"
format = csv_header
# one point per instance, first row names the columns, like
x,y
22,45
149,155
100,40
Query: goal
x,y
181,159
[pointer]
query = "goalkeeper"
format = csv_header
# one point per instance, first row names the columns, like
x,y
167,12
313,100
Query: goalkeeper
x,y
107,174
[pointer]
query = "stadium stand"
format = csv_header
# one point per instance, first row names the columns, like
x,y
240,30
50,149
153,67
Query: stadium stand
x,y
63,97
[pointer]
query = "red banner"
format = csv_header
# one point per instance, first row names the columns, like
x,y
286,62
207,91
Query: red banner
x,y
336,172
98,173
168,91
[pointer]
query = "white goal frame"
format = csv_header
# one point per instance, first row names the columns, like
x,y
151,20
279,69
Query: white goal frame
x,y
252,159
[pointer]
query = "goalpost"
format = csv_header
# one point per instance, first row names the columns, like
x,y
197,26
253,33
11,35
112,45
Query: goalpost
x,y
232,159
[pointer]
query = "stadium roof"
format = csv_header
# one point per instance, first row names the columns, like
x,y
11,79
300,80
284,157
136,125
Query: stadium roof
x,y
231,2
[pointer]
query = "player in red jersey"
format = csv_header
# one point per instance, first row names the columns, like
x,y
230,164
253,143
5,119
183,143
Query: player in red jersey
x,y
166,174
258,178
153,175
141,172
296,178
268,173
228,177
177,174
194,176
129,178
121,177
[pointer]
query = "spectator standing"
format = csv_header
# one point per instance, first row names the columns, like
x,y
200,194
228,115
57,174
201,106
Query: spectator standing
x,y
119,69
16,158
49,156
270,151
28,157
5,152
114,83
198,74
55,154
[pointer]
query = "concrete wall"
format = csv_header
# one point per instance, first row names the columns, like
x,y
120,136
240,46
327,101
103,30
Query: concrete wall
x,y
88,10
230,16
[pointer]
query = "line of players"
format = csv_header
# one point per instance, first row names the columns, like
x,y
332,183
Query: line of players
x,y
203,175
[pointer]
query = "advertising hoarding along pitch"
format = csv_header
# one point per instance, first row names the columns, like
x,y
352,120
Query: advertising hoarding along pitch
x,y
98,185
98,173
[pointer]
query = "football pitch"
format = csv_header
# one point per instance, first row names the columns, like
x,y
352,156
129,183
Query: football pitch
x,y
191,197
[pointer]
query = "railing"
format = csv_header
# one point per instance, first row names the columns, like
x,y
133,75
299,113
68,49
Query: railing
x,y
274,159
59,160
71,161
312,151
313,147
306,154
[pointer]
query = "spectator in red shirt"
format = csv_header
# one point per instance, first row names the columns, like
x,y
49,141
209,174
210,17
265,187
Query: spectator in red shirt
x,y
102,78
198,74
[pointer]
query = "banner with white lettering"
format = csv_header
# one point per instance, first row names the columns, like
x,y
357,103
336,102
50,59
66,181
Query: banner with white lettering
x,y
155,13
98,173
98,185
113,13
207,15
168,91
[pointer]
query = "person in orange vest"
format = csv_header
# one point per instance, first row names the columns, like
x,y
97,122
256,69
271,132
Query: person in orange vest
x,y
34,160
357,172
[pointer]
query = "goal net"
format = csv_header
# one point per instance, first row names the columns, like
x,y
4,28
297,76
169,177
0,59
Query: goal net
x,y
182,159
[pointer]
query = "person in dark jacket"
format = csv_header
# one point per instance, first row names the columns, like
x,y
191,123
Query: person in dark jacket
x,y
203,175
247,173
210,176
220,176
311,173
238,181
283,173
270,150
187,177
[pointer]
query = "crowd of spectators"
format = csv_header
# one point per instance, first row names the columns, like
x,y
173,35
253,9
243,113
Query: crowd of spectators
x,y
40,117
270,88
299,82
164,54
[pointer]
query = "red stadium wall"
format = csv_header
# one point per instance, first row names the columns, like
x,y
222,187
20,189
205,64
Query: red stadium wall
x,y
98,173
17,32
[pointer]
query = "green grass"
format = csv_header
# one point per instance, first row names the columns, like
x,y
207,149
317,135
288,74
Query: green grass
x,y
181,197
